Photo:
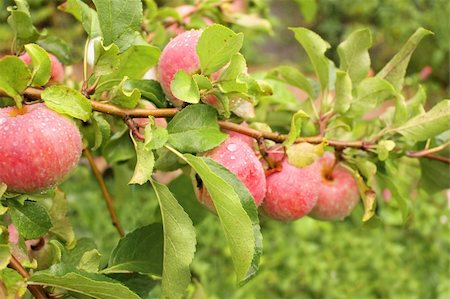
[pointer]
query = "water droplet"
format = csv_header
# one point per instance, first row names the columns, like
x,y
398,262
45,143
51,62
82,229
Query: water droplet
x,y
232,157
232,147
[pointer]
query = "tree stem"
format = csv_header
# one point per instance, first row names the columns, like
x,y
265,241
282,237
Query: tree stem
x,y
106,195
36,290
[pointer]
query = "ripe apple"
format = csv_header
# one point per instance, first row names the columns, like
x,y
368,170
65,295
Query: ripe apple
x,y
238,157
338,194
57,69
38,147
292,192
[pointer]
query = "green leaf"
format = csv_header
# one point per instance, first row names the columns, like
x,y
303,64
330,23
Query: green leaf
x,y
195,129
292,77
216,46
183,190
5,255
90,261
57,46
236,67
394,71
123,97
343,88
202,82
89,284
102,130
106,58
14,77
3,188
155,137
184,88
133,63
427,125
22,24
66,100
41,64
304,154
138,283
315,47
354,55
229,197
58,215
369,94
150,90
179,244
144,164
119,148
308,8
31,219
118,18
435,175
383,149
84,14
233,87
415,104
13,282
139,251
296,127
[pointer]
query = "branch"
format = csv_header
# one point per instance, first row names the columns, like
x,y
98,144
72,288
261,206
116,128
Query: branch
x,y
431,157
106,195
426,152
36,290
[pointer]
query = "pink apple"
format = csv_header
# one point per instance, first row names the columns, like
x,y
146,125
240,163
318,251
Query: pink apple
x,y
238,157
38,147
57,69
338,195
292,192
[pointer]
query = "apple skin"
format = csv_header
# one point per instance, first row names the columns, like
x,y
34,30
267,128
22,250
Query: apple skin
x,y
39,148
239,158
338,194
179,54
57,69
292,192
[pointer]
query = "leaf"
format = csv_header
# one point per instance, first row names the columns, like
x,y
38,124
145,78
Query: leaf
x,y
179,244
105,58
155,137
296,127
150,90
216,46
383,149
202,82
236,67
304,154
343,88
41,64
195,129
415,104
14,77
22,24
144,165
84,14
124,97
133,63
89,284
118,18
308,9
102,130
427,125
184,88
369,94
241,231
58,215
119,148
5,255
89,261
139,251
354,54
292,77
394,71
315,47
31,219
13,282
66,100
58,47
368,196
138,283
183,190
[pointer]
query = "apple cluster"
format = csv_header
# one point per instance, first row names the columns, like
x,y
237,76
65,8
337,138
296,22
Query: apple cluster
x,y
324,190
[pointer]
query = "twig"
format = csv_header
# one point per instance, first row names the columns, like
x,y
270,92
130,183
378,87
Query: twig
x,y
133,127
426,152
36,290
106,195
431,157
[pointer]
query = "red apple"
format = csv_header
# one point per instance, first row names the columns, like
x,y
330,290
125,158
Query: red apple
x,y
38,147
338,195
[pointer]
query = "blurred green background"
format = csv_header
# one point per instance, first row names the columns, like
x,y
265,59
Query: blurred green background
x,y
390,258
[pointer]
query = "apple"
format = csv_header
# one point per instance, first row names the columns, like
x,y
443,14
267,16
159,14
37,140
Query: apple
x,y
292,192
239,158
338,194
38,147
57,69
